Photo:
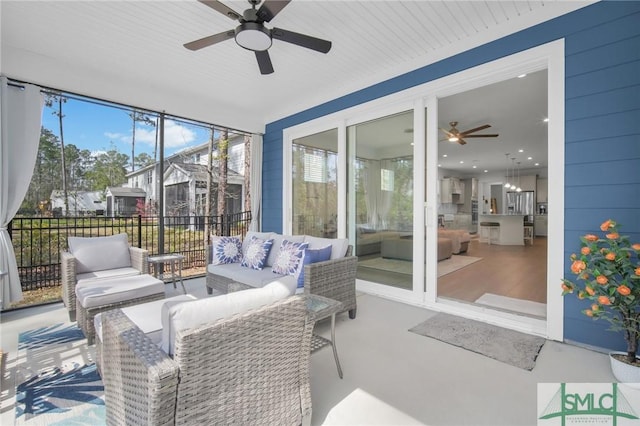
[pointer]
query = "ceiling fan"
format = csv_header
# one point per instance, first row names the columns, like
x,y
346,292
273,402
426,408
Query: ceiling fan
x,y
454,135
252,35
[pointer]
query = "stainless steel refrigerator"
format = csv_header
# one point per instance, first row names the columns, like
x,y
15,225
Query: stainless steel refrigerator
x,y
521,203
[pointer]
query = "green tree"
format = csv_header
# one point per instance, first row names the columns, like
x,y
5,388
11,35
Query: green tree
x,y
57,99
137,117
110,169
143,159
46,172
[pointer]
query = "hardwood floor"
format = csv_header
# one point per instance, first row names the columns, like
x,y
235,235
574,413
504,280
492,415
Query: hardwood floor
x,y
519,272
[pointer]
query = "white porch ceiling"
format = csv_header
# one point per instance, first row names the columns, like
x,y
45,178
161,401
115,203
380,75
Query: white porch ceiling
x,y
131,51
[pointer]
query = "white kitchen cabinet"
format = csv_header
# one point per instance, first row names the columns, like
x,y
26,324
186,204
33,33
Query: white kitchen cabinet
x,y
542,186
540,226
452,191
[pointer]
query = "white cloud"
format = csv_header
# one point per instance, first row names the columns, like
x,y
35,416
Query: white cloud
x,y
175,135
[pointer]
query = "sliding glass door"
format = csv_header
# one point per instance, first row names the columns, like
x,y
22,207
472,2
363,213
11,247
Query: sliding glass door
x,y
381,198
314,185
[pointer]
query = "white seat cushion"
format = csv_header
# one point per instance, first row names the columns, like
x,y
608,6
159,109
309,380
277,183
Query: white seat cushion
x,y
92,293
146,316
205,311
107,274
100,253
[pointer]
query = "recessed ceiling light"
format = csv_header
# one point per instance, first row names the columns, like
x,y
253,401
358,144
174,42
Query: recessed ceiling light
x,y
529,158
475,167
461,162
537,164
444,155
522,76
546,120
521,150
439,165
486,171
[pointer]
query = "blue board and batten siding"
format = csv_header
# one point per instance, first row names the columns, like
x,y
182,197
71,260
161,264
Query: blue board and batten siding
x,y
602,143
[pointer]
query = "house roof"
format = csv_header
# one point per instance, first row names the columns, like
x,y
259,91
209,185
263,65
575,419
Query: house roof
x,y
134,49
200,172
126,192
78,200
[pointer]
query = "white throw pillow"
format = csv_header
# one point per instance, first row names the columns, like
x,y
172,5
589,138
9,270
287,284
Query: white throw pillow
x,y
211,309
226,250
100,253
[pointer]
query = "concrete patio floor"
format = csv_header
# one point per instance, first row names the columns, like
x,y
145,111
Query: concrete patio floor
x,y
391,376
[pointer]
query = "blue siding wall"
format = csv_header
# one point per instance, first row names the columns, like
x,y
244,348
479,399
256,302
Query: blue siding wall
x,y
602,158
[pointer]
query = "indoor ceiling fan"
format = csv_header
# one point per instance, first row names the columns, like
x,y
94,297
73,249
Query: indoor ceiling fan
x,y
454,135
252,35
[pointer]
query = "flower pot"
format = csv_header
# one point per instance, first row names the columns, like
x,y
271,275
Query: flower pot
x,y
625,373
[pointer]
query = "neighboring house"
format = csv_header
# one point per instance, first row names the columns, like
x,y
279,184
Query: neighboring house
x,y
80,203
123,201
593,60
185,187
146,178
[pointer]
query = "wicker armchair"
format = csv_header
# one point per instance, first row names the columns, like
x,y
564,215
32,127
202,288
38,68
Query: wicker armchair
x,y
335,279
250,368
69,277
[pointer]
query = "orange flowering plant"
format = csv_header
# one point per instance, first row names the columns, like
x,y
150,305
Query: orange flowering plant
x,y
608,273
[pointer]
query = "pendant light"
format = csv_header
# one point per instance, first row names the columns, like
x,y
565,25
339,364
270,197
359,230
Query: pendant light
x,y
518,189
513,176
507,184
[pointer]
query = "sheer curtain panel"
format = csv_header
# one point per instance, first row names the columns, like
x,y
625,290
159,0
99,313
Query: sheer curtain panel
x,y
256,181
21,118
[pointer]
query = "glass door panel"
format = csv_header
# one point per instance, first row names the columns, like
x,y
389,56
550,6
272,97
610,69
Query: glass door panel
x,y
381,205
492,264
315,185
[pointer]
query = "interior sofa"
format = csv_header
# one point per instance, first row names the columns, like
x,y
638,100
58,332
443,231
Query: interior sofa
x,y
334,278
460,239
402,248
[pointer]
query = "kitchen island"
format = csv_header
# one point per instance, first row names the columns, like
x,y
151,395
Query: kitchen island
x,y
511,231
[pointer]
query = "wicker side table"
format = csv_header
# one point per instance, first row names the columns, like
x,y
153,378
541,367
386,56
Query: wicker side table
x,y
320,307
160,260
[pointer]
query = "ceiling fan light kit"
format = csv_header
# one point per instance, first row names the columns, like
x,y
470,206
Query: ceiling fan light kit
x,y
454,135
252,35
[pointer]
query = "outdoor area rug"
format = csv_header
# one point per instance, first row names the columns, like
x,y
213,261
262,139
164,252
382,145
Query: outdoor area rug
x,y
56,379
445,267
508,346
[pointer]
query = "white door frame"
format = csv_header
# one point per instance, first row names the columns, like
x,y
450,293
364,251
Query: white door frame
x,y
549,56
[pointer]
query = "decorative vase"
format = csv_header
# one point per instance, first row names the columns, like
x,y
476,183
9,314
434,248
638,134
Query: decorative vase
x,y
623,372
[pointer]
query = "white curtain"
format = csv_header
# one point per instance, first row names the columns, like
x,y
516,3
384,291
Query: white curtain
x,y
256,181
384,197
21,118
371,182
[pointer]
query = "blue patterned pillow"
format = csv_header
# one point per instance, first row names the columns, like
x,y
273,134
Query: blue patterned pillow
x,y
227,250
256,253
288,258
312,256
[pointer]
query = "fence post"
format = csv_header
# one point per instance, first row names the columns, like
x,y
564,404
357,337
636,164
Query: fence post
x,y
139,231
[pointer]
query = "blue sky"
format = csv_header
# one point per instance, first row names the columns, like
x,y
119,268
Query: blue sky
x,y
95,127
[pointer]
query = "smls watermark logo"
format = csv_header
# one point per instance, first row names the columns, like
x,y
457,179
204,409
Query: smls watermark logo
x,y
587,404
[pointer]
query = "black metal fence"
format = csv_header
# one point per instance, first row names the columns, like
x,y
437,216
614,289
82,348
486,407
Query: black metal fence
x,y
38,241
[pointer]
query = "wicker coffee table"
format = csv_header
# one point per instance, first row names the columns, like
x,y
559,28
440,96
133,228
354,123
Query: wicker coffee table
x,y
320,307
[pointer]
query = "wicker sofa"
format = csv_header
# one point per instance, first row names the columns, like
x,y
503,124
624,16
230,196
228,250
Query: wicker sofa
x,y
334,278
250,365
